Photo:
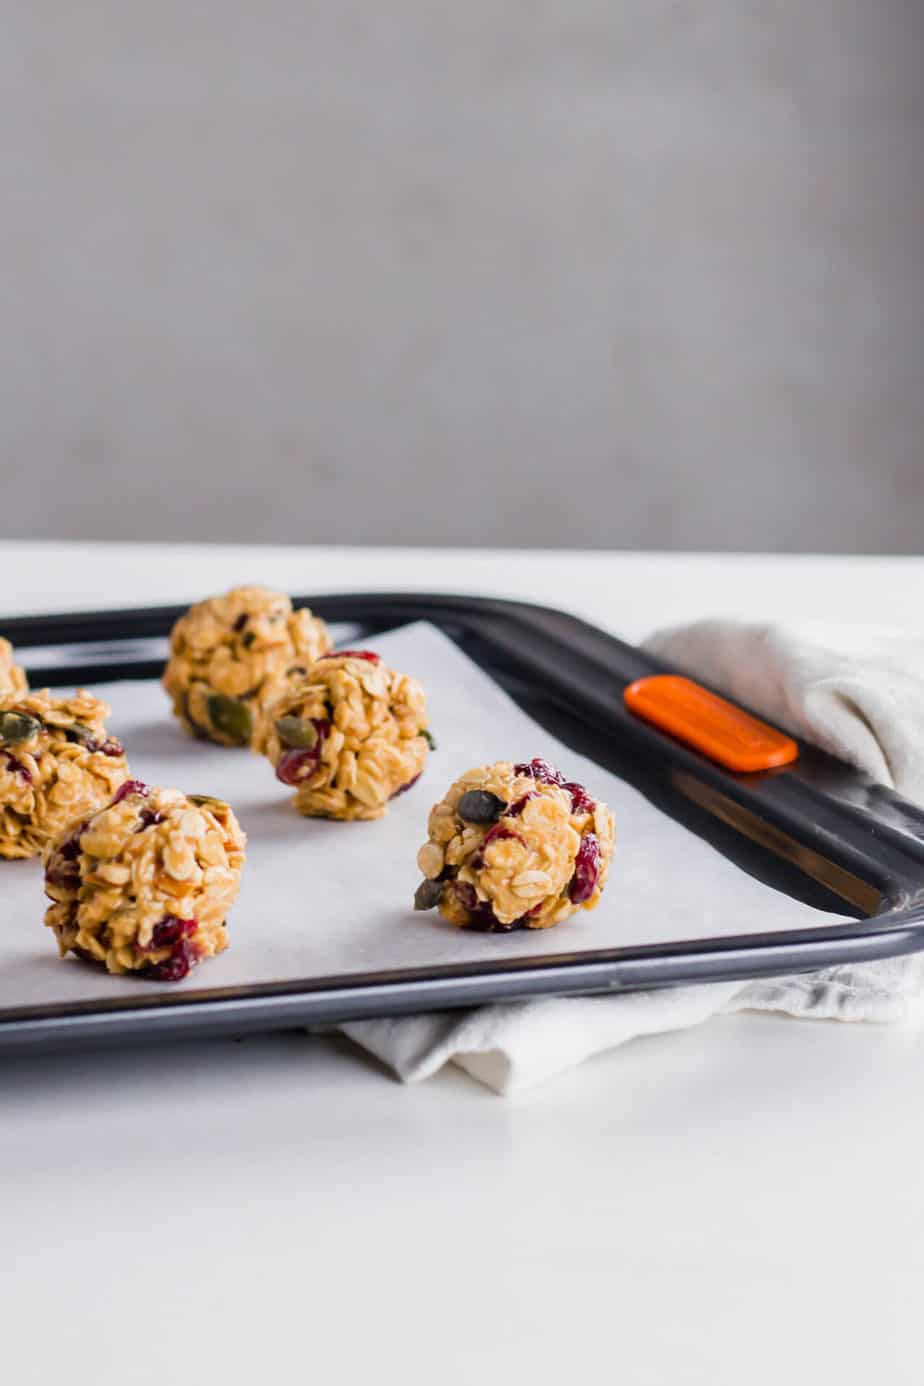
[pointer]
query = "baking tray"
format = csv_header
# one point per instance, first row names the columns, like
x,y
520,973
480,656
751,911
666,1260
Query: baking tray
x,y
816,831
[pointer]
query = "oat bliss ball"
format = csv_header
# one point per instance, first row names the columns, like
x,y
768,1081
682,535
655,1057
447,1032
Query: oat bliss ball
x,y
231,656
12,678
145,884
349,737
515,847
57,761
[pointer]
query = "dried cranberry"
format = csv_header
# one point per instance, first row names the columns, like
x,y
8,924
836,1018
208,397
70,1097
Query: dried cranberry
x,y
541,770
130,787
581,802
171,930
176,967
149,818
486,921
372,657
405,787
498,832
586,870
62,869
483,918
517,808
70,848
112,747
300,763
295,766
62,873
17,767
68,878
466,895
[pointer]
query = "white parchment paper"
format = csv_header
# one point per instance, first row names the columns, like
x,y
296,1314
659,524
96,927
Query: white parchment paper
x,y
322,898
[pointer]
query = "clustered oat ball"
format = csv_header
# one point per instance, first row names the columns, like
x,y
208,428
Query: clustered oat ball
x,y
12,678
57,761
230,657
141,880
348,737
145,884
515,846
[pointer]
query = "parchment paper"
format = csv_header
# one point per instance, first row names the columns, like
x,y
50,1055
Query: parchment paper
x,y
322,898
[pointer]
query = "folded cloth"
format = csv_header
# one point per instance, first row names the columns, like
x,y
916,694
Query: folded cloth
x,y
854,692
857,693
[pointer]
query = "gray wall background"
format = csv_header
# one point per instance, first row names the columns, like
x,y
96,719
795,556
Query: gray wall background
x,y
595,272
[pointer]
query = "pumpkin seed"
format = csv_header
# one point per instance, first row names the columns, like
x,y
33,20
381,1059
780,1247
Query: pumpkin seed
x,y
230,716
480,806
427,895
80,734
296,732
17,726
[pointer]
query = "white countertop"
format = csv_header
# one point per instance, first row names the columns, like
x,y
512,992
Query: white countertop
x,y
737,1204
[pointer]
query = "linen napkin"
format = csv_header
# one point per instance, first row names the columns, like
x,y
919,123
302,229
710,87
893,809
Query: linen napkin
x,y
855,692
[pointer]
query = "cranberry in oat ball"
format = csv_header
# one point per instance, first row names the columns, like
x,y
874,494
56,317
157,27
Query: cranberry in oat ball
x,y
349,737
57,761
231,656
12,678
145,884
515,846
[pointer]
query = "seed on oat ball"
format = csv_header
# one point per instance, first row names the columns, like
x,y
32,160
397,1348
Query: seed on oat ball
x,y
348,737
231,656
12,678
57,761
145,884
514,847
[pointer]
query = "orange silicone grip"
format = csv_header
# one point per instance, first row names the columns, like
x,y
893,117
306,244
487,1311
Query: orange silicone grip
x,y
702,719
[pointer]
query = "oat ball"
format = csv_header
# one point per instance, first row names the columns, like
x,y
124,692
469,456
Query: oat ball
x,y
12,678
231,656
515,847
145,884
349,737
57,761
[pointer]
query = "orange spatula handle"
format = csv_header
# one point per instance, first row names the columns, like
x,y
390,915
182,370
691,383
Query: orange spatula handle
x,y
712,725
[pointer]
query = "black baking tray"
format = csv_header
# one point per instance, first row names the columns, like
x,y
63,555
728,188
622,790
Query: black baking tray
x,y
817,830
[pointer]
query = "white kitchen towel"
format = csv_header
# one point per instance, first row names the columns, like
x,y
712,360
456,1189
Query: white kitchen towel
x,y
855,692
